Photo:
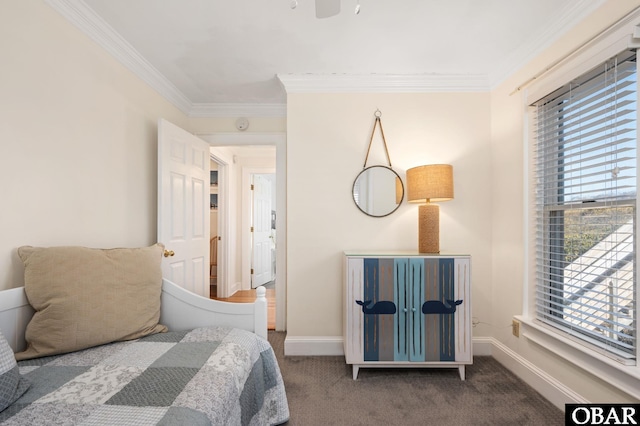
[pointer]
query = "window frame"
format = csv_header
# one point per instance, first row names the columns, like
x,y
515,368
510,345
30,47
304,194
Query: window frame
x,y
608,44
576,150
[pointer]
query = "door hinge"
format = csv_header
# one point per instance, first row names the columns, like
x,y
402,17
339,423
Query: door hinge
x,y
251,271
252,229
252,187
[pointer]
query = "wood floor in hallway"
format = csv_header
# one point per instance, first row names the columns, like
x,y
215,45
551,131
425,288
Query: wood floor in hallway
x,y
248,296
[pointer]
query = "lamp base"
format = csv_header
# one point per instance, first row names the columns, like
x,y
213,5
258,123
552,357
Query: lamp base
x,y
429,228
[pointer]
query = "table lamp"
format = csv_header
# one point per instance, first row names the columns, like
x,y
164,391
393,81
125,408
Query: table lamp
x,y
426,185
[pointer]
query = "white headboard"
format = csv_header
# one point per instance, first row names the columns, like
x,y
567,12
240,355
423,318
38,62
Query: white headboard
x,y
179,310
15,313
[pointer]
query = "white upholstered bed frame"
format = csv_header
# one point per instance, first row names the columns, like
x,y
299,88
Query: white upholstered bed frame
x,y
179,310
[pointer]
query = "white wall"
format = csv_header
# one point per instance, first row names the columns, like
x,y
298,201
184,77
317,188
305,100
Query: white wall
x,y
78,133
78,137
507,189
78,166
327,139
482,135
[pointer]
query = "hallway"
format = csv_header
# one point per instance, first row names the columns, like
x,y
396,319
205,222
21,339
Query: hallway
x,y
248,296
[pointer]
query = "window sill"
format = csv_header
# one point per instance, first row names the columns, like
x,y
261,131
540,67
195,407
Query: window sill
x,y
623,377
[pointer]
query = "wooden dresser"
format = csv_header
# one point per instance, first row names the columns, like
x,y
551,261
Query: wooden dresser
x,y
405,309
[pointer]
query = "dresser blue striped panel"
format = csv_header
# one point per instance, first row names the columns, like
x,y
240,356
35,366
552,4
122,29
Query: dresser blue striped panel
x,y
409,334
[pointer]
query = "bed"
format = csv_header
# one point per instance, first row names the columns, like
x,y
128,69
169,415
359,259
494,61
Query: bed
x,y
211,365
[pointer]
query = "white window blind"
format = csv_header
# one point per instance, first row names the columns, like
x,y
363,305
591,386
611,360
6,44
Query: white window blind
x,y
585,171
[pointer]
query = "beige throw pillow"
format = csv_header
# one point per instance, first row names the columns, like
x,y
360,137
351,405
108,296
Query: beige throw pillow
x,y
85,297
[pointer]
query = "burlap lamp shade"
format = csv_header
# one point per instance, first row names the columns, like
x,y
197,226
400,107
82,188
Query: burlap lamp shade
x,y
428,184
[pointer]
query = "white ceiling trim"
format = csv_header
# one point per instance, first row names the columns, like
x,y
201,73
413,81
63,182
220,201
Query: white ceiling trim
x,y
236,110
243,139
92,25
82,16
568,18
383,83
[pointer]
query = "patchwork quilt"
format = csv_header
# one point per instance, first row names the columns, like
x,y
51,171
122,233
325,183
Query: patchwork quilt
x,y
207,376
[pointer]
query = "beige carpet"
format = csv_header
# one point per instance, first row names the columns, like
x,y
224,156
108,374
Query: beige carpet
x,y
321,391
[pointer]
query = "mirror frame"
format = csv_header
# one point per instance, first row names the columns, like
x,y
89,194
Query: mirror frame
x,y
354,187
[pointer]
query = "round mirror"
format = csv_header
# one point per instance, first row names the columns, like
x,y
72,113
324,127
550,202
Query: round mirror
x,y
378,191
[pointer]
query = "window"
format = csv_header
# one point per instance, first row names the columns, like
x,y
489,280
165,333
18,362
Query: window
x,y
585,171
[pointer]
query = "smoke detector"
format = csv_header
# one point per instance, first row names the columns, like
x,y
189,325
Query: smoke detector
x,y
242,124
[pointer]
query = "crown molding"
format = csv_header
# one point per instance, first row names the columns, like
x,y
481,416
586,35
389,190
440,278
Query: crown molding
x,y
92,25
567,18
237,110
383,83
243,138
83,17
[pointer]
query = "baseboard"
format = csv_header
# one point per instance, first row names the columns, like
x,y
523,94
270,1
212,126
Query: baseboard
x,y
333,346
550,388
553,390
313,345
482,346
235,287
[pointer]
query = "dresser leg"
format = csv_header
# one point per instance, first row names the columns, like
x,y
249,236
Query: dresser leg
x,y
461,371
355,372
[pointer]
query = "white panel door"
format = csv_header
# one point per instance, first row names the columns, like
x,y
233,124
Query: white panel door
x,y
183,207
262,241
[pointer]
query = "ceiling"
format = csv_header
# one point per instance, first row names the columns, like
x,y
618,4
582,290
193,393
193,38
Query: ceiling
x,y
236,53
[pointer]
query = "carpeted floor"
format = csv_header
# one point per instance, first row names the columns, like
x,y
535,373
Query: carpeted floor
x,y
321,391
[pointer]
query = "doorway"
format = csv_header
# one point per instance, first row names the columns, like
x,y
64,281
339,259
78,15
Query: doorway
x,y
264,238
259,230
234,251
214,232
